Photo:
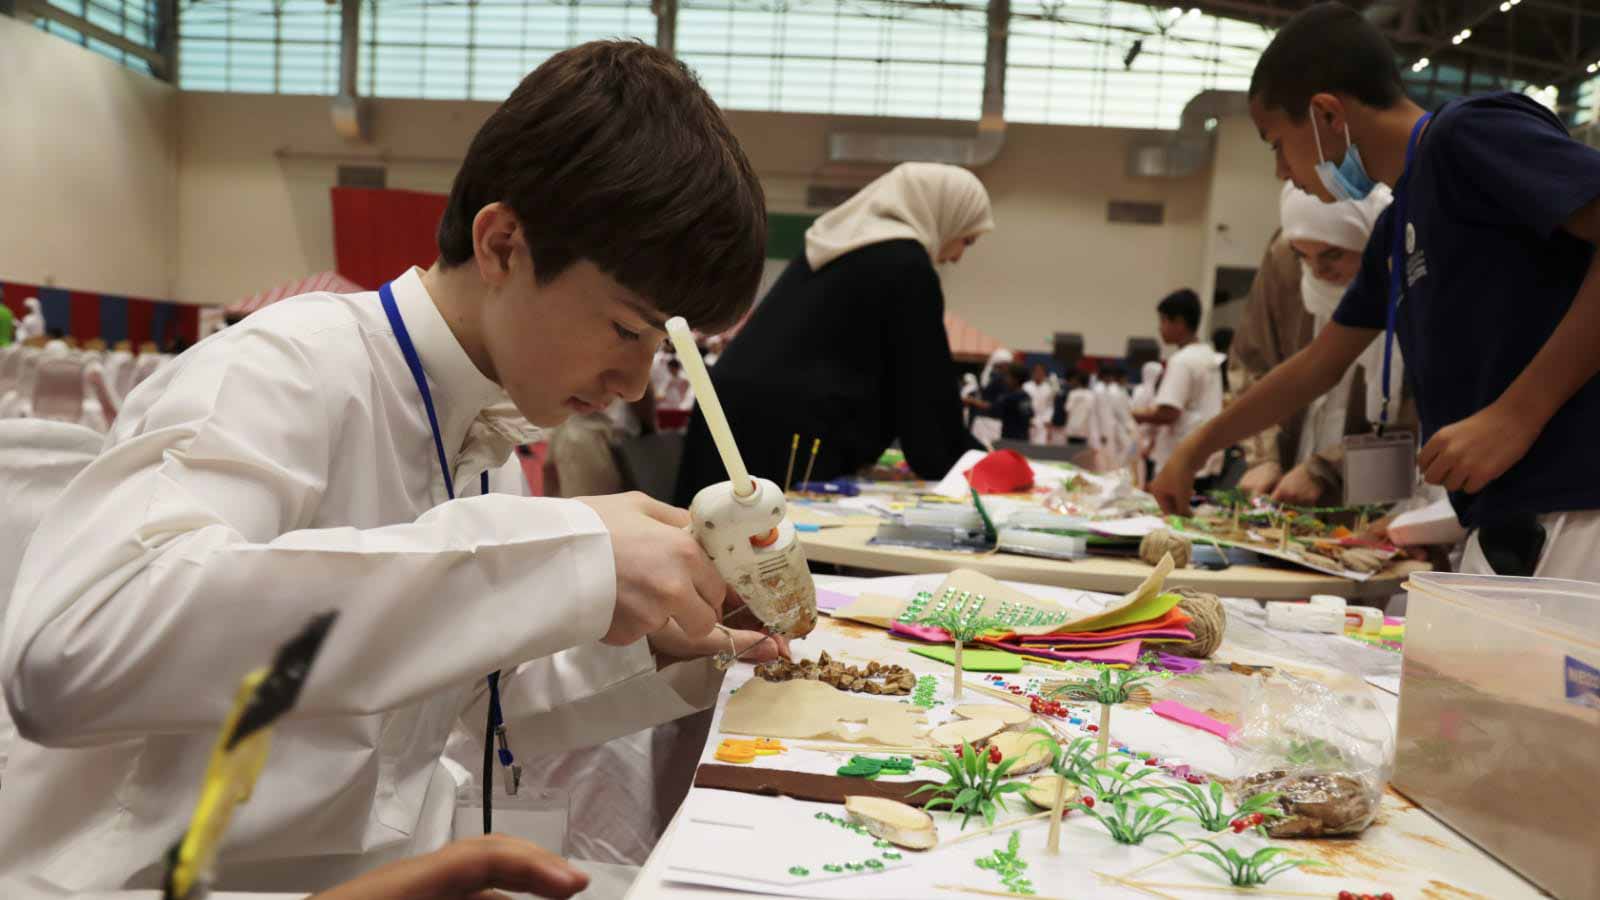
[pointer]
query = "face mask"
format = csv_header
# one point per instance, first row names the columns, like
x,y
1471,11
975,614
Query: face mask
x,y
1349,179
1320,297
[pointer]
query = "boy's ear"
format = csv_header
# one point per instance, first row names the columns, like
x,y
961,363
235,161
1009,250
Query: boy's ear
x,y
1330,110
496,235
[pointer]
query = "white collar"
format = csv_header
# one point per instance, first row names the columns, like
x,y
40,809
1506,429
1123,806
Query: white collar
x,y
461,390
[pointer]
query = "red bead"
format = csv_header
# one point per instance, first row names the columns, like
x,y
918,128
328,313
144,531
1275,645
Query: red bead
x,y
961,751
1346,895
994,754
1195,779
1089,802
1150,762
1386,896
1016,690
1094,727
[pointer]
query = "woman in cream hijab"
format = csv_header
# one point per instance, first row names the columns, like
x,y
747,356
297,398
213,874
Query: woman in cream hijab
x,y
849,345
1328,239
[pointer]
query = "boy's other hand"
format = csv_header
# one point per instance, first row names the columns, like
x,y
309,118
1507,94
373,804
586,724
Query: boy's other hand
x,y
662,574
1469,454
1173,486
473,869
1299,487
1261,479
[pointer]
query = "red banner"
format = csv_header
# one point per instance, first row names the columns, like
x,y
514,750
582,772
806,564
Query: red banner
x,y
378,234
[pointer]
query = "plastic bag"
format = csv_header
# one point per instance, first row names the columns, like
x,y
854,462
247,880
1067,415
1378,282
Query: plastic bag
x,y
1327,750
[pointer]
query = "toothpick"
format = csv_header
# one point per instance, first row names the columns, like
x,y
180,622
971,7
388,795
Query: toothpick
x,y
1165,859
988,893
1007,696
1217,889
985,832
815,443
929,752
1105,732
1137,886
794,447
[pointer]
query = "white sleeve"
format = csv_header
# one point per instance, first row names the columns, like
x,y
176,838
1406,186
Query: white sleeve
x,y
586,696
1178,384
175,563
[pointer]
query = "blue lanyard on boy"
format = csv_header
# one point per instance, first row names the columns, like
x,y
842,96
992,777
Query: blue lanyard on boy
x,y
496,729
1397,266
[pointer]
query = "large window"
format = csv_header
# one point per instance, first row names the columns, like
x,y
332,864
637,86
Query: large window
x,y
480,50
259,46
1078,62
871,58
131,19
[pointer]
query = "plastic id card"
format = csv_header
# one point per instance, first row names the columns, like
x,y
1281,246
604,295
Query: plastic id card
x,y
1379,468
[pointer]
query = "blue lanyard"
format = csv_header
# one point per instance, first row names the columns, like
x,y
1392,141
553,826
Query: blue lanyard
x,y
1397,266
414,362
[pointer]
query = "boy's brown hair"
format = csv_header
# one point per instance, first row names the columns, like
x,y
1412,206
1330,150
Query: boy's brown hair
x,y
613,152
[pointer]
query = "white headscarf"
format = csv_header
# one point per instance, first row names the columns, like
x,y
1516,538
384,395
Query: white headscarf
x,y
929,203
1346,224
997,359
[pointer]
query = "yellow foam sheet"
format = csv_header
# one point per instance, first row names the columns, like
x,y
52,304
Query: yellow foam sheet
x,y
811,709
1142,604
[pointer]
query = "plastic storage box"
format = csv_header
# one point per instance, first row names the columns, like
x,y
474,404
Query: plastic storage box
x,y
1499,732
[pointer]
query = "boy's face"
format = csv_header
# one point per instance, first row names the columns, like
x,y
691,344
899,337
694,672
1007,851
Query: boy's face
x,y
1173,331
1330,263
570,346
1294,144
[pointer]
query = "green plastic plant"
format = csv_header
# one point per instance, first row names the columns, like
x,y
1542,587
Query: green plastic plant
x,y
1130,822
1313,753
964,626
1114,782
1207,804
1110,688
972,786
1249,871
1009,865
1071,760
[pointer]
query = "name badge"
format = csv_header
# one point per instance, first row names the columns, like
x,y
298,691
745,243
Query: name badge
x,y
1379,468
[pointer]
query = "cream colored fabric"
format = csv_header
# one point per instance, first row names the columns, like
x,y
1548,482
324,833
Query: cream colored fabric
x,y
929,203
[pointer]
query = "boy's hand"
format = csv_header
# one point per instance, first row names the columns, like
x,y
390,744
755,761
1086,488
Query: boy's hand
x,y
1261,479
1469,454
670,645
1174,485
473,869
662,574
1299,487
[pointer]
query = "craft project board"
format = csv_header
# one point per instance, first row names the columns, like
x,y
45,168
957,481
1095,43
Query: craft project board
x,y
1270,549
1414,854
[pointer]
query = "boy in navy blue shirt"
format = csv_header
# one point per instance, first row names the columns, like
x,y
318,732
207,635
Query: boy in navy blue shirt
x,y
1013,408
1498,318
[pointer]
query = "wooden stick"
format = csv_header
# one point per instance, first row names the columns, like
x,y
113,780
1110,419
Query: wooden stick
x,y
1218,889
1134,885
1052,844
985,832
931,752
961,888
815,443
794,448
1007,696
1187,846
958,670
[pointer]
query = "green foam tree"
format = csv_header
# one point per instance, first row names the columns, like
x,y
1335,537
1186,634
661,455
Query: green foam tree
x,y
963,627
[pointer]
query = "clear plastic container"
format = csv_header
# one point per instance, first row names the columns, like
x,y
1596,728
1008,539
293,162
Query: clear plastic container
x,y
1499,732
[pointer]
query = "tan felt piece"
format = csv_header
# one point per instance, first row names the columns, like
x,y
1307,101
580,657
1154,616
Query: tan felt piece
x,y
811,709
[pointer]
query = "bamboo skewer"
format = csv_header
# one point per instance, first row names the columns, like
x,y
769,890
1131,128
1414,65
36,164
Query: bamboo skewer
x,y
794,448
961,888
815,444
1187,846
932,752
1217,889
985,832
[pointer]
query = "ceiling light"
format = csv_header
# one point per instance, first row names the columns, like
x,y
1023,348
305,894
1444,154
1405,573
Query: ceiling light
x,y
1194,11
1175,11
1420,64
1593,68
1506,6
